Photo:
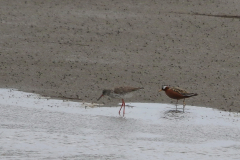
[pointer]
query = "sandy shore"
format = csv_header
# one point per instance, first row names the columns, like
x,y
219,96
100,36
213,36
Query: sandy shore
x,y
74,49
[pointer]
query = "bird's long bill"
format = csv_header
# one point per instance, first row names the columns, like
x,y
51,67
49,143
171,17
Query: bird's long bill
x,y
160,90
100,97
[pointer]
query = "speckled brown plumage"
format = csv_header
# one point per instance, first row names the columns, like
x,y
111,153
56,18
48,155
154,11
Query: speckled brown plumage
x,y
125,90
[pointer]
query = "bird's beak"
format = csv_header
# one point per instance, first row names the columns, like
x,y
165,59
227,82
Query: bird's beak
x,y
160,90
100,97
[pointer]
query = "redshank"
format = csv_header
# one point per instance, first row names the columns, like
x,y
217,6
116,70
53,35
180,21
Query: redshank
x,y
120,92
177,93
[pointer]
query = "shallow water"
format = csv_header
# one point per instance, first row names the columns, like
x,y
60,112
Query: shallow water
x,y
32,127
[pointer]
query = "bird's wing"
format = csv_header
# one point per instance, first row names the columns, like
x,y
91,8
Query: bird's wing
x,y
178,90
189,94
183,92
122,90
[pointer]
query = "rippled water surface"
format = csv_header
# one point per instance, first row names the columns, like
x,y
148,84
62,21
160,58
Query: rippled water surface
x,y
32,127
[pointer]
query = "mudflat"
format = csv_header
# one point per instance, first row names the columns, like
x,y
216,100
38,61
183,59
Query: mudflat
x,y
75,49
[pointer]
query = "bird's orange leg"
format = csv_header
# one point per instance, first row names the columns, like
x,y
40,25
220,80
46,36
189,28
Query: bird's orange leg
x,y
121,106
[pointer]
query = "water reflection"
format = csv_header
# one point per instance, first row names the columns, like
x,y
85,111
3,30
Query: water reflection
x,y
174,114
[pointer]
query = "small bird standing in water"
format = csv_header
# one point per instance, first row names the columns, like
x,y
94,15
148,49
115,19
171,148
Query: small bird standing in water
x,y
177,93
119,92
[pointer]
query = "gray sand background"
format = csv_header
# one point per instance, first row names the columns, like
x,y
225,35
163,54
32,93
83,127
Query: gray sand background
x,y
74,49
